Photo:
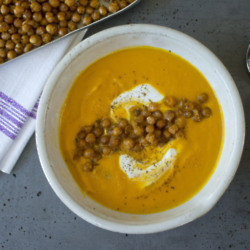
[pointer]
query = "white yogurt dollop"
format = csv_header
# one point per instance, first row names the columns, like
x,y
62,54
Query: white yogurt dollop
x,y
143,94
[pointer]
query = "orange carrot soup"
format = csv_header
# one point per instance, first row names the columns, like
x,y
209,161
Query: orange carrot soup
x,y
141,130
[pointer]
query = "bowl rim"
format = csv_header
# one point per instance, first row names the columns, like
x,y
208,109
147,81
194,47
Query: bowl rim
x,y
41,144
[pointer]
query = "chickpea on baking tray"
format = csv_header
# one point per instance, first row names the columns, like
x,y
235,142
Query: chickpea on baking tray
x,y
25,25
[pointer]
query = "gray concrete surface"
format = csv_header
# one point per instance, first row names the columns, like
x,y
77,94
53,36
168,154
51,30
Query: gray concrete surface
x,y
32,217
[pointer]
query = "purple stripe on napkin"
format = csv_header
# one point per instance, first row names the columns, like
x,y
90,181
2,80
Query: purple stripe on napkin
x,y
12,112
11,118
14,104
8,126
6,131
13,115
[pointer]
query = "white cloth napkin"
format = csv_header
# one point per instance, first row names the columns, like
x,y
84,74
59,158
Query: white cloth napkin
x,y
21,84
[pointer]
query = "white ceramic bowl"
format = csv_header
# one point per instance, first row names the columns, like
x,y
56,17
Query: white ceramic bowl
x,y
56,91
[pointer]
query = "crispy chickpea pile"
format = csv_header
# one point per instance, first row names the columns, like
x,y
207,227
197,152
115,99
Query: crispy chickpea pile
x,y
148,126
27,24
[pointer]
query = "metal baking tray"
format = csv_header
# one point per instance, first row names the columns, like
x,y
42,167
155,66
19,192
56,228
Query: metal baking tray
x,y
81,27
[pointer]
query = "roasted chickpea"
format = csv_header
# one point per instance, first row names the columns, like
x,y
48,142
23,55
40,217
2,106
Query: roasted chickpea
x,y
62,31
170,101
19,48
138,130
169,115
83,2
46,7
188,106
9,45
54,3
206,112
73,7
88,128
70,2
94,4
37,16
117,131
150,138
63,24
137,112
2,43
3,52
113,7
9,18
96,16
44,21
26,28
166,134
16,38
4,27
106,123
35,7
161,123
128,143
68,15
51,29
98,131
180,122
128,129
103,10
40,30
25,39
89,10
76,17
11,54
157,114
80,10
7,2
104,139
106,150
153,107
90,138
87,166
197,118
143,142
173,129
157,133
150,129
27,14
89,153
36,40
71,25
46,37
114,141
122,4
17,23
28,47
140,119
5,36
50,17
4,9
61,16
145,112
203,97
187,114
151,120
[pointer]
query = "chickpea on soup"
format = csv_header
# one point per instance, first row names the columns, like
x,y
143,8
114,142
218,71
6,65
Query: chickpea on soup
x,y
141,130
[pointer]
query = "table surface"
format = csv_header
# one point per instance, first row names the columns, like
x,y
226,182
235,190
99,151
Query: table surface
x,y
32,217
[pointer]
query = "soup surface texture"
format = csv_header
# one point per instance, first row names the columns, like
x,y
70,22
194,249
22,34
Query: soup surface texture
x,y
90,98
